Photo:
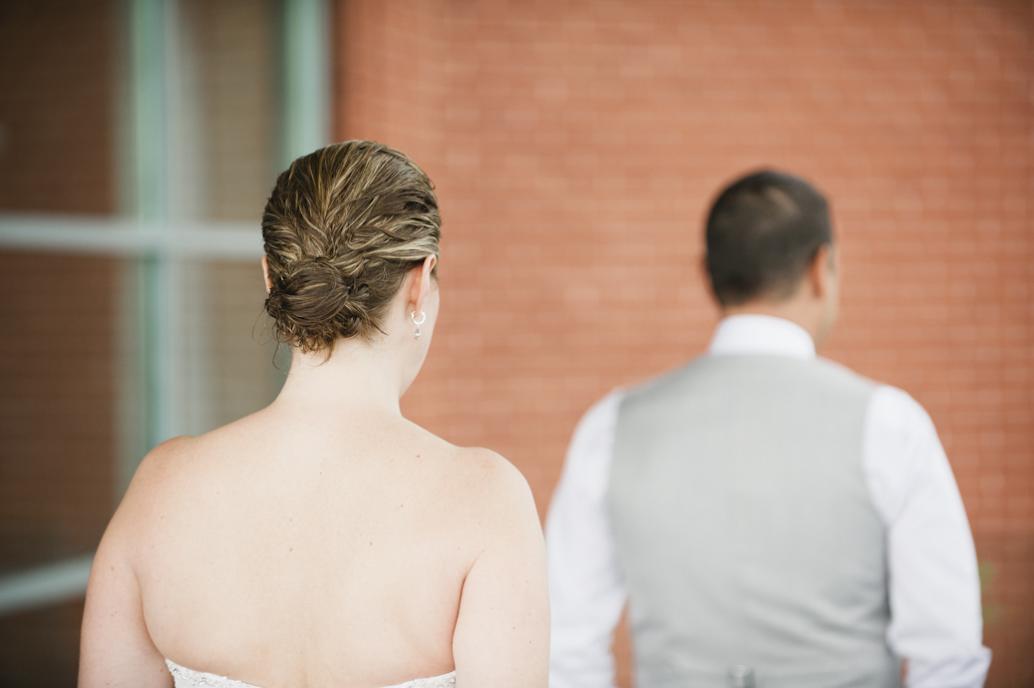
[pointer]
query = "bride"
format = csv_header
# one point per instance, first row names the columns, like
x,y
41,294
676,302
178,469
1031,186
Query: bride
x,y
326,541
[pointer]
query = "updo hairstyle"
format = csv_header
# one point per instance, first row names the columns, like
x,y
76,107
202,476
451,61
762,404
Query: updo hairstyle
x,y
341,229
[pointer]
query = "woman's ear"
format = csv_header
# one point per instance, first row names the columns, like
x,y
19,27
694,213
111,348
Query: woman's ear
x,y
265,275
421,282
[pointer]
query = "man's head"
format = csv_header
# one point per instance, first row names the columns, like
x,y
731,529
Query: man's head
x,y
770,250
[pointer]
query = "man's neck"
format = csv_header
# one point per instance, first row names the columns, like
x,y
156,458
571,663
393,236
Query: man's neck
x,y
786,311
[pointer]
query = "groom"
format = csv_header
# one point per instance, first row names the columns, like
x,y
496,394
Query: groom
x,y
772,518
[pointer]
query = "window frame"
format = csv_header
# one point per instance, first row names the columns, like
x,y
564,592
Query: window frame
x,y
155,242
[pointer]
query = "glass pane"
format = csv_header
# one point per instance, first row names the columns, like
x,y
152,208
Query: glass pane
x,y
40,647
57,106
59,430
228,345
228,119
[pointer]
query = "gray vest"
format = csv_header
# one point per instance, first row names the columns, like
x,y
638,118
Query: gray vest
x,y
745,529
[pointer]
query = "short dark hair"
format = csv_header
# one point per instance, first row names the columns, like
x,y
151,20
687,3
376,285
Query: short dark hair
x,y
763,232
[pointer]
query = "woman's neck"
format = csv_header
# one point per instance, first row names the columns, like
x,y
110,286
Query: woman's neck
x,y
356,376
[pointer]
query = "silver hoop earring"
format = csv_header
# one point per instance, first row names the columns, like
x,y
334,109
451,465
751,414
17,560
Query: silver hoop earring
x,y
418,320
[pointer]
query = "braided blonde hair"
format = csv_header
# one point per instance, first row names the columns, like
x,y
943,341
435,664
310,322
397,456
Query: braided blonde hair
x,y
341,229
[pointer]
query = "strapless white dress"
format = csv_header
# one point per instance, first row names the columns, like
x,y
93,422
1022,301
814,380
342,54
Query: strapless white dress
x,y
189,678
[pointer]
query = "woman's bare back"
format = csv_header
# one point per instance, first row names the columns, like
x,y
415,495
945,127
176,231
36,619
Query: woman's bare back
x,y
287,549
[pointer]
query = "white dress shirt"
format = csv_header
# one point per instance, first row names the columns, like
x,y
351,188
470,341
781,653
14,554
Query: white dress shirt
x,y
934,589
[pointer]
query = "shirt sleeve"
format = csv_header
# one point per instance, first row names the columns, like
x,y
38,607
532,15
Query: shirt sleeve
x,y
587,593
936,622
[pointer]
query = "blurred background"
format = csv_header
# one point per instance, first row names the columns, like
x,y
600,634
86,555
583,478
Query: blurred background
x,y
575,147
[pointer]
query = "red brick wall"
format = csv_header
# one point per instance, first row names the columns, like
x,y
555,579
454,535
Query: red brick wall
x,y
576,145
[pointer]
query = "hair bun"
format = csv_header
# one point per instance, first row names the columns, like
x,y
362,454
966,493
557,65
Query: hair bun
x,y
316,301
343,227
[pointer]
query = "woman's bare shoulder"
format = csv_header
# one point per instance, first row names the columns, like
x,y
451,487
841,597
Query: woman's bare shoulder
x,y
492,473
144,496
156,469
496,488
179,457
495,470
482,479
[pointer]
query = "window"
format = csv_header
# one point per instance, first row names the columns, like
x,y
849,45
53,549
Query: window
x,y
138,142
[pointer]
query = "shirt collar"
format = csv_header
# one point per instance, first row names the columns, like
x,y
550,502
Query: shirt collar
x,y
761,334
